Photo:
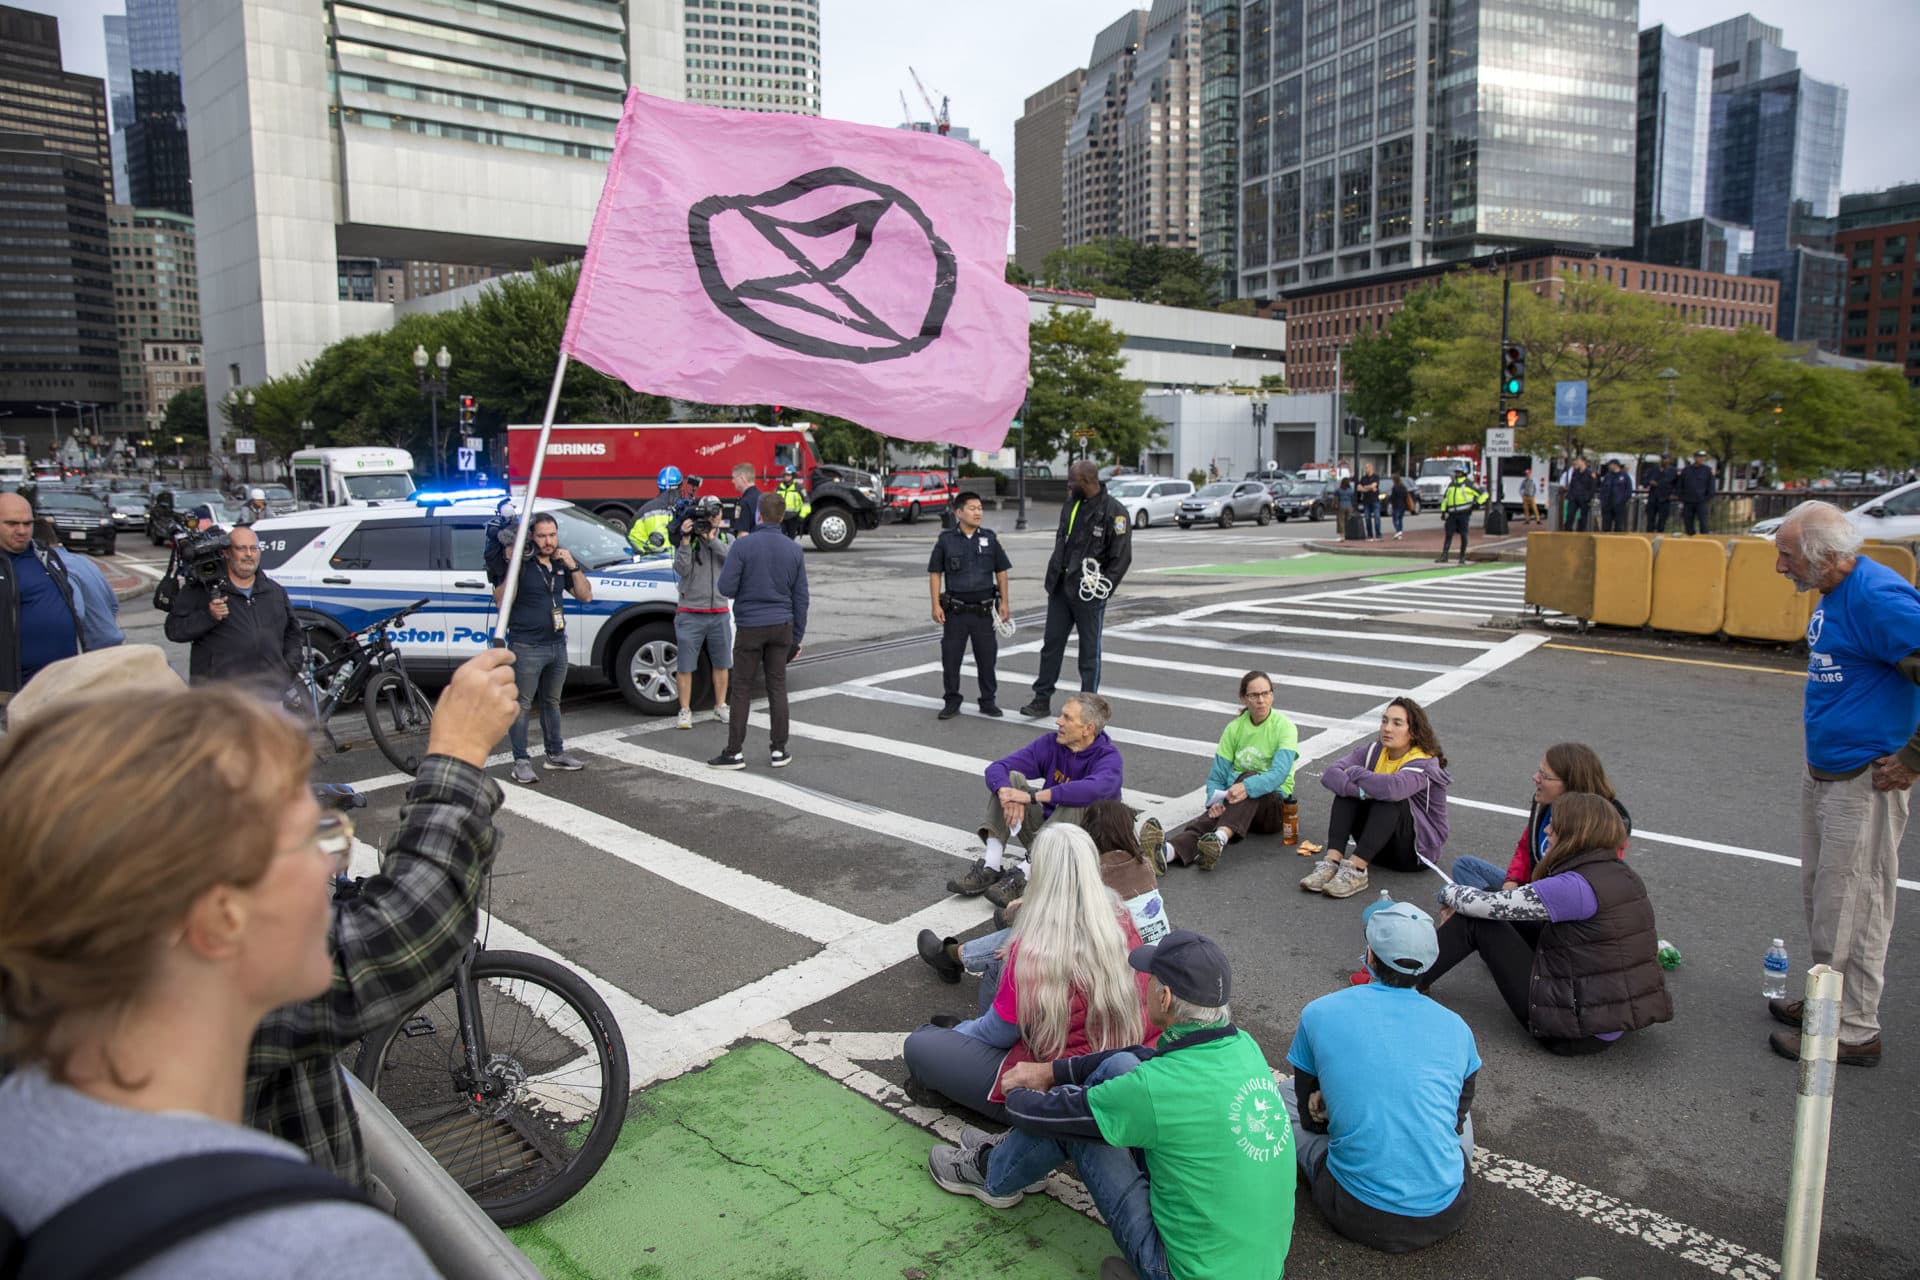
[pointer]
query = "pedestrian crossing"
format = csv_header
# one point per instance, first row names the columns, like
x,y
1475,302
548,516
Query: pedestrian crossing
x,y
1475,595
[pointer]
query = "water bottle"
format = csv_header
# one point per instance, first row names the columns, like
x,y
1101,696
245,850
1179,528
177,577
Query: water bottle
x,y
1668,955
1773,981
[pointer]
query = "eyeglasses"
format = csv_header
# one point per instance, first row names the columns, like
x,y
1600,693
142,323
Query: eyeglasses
x,y
334,838
1258,693
1543,777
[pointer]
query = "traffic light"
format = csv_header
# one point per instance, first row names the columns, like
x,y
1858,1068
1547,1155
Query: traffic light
x,y
466,411
1513,369
1515,419
779,413
1354,424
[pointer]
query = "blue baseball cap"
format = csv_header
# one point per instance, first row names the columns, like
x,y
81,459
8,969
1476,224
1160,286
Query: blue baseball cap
x,y
1401,936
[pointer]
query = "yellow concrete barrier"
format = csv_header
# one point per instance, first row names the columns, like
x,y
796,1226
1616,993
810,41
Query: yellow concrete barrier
x,y
1761,604
1560,572
1689,585
1622,579
1897,558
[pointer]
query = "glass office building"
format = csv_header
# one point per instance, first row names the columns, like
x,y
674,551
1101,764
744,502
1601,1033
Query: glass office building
x,y
1674,123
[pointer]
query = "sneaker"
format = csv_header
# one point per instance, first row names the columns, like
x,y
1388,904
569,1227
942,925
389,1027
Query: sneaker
x,y
1398,536
1153,843
684,720
1441,560
972,1139
1207,852
1316,879
1791,1012
1865,1053
723,713
728,760
978,879
988,709
565,761
1039,708
949,711
523,773
1349,880
780,757
1011,884
964,1173
933,949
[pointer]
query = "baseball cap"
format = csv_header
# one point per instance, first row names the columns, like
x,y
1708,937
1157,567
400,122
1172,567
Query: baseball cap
x,y
1401,936
1191,966
1699,453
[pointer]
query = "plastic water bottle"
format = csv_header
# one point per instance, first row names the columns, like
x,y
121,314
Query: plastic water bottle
x,y
1773,980
1668,955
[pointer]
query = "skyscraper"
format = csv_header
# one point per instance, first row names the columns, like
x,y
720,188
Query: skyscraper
x,y
119,97
158,173
1373,139
156,287
40,98
1090,196
1675,119
1039,169
1879,236
754,57
1220,137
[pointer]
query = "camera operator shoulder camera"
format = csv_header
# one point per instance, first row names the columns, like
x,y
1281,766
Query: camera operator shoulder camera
x,y
238,621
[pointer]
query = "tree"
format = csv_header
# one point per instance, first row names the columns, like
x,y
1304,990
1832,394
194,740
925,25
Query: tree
x,y
280,405
1381,363
1117,268
186,415
1079,380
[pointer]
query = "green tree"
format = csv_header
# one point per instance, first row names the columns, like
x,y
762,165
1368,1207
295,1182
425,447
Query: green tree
x,y
1380,363
1119,268
280,405
1079,380
1727,391
186,415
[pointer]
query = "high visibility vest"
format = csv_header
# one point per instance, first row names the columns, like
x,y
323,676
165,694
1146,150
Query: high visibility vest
x,y
649,532
796,501
1460,493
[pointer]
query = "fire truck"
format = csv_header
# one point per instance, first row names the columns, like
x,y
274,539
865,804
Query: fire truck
x,y
611,469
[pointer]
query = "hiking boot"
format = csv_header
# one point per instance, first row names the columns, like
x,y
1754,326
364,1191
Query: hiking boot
x,y
684,720
1316,879
1003,917
1153,843
934,949
1207,852
977,881
566,761
1037,709
1010,886
728,760
964,1173
1350,879
523,773
989,709
949,711
780,757
1865,1053
1788,1011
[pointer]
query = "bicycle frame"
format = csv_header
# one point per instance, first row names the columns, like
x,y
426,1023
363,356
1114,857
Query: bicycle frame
x,y
367,652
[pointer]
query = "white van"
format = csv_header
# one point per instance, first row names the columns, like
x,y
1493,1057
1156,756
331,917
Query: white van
x,y
352,477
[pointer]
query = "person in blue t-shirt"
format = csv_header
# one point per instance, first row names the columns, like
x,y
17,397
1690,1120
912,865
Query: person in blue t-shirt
x,y
1863,754
1384,1078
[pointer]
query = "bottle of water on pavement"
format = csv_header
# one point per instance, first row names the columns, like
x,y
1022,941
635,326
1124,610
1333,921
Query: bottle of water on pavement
x,y
1668,955
1773,982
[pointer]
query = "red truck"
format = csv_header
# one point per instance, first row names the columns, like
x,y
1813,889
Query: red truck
x,y
911,492
611,469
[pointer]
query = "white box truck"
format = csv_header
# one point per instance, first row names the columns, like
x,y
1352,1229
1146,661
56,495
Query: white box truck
x,y
363,477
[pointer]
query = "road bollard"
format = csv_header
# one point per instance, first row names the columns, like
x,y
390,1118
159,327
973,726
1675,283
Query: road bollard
x,y
1812,1124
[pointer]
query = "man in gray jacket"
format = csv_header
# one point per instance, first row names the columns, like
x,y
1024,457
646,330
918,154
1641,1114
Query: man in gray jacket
x,y
704,618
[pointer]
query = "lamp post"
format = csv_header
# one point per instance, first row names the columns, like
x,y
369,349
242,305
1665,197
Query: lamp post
x,y
240,409
180,458
1020,460
432,387
1259,434
1776,404
1668,377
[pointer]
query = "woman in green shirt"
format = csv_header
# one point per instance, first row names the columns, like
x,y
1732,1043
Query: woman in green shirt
x,y
1249,788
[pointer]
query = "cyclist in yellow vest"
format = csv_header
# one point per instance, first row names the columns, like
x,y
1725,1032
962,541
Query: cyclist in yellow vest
x,y
798,508
651,534
1457,506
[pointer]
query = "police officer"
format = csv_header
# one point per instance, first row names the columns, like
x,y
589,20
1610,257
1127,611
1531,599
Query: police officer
x,y
1661,487
795,501
652,531
1457,506
975,566
1093,526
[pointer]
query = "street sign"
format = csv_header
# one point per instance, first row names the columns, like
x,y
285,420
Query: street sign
x,y
465,457
475,443
1570,404
1084,433
1499,439
243,444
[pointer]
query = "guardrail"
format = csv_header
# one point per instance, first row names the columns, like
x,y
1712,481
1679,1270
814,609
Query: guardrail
x,y
1727,513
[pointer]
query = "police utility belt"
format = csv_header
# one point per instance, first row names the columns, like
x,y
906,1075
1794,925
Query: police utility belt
x,y
951,605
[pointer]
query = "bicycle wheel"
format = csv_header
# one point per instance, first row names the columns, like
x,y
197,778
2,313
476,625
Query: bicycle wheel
x,y
400,717
541,1120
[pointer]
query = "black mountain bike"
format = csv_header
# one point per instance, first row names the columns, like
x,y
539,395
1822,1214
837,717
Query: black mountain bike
x,y
367,665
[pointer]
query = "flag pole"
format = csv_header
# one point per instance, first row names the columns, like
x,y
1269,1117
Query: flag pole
x,y
511,587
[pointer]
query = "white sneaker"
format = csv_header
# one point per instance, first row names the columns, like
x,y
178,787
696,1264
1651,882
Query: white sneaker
x,y
685,720
722,713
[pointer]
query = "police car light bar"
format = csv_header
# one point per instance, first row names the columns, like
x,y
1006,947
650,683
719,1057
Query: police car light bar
x,y
423,498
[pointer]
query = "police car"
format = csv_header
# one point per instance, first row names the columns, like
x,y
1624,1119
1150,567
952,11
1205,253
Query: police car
x,y
346,567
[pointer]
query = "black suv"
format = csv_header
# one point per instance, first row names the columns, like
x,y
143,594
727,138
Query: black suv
x,y
82,519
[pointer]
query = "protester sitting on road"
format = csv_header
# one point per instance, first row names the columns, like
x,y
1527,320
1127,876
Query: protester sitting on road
x,y
1071,768
1122,865
142,940
1208,1189
1249,789
1387,1077
1389,798
1065,988
1567,768
1591,974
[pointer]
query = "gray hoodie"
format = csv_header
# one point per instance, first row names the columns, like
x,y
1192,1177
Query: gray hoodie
x,y
700,577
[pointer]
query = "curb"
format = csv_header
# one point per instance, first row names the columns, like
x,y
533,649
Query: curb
x,y
1386,552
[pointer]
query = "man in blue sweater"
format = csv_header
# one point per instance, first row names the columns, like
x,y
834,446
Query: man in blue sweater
x,y
766,577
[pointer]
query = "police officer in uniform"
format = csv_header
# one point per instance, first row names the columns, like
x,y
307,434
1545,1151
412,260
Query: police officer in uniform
x,y
1457,506
1093,526
974,566
795,500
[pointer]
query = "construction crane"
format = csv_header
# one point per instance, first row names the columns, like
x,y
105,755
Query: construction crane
x,y
906,112
941,122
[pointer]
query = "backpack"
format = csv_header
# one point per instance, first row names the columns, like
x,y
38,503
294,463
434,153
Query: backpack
x,y
131,1219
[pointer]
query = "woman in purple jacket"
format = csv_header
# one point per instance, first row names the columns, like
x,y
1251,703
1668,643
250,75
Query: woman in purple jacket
x,y
1390,800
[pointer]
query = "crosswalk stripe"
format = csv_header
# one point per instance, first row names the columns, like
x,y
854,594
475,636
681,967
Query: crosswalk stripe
x,y
1391,637
1285,678
1160,635
1133,737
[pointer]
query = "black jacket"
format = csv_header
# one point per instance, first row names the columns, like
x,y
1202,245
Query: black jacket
x,y
1696,483
259,636
10,612
1592,977
1580,486
1616,488
1661,486
1101,530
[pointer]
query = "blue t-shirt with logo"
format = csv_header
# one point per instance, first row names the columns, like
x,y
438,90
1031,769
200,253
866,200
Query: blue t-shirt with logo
x,y
1859,706
1390,1063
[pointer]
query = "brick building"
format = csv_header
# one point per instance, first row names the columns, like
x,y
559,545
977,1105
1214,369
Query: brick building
x,y
1879,238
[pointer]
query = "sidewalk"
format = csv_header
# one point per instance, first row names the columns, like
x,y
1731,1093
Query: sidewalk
x,y
1425,544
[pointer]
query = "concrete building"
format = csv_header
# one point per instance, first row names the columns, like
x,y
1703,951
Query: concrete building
x,y
156,296
754,57
1168,348
166,369
41,99
1039,169
1675,119
1220,434
447,135
1374,140
1879,239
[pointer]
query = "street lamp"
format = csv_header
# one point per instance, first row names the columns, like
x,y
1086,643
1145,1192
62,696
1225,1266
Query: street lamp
x,y
1776,404
1020,457
431,389
240,409
1668,376
1259,433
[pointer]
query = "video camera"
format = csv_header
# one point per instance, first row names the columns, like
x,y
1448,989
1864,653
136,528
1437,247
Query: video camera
x,y
499,537
704,513
196,555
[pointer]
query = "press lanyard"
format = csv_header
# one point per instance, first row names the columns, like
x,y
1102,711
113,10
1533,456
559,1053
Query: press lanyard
x,y
550,577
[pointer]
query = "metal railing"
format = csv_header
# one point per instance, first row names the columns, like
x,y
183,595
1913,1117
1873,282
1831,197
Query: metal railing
x,y
1728,513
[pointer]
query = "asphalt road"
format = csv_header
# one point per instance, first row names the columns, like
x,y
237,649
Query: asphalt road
x,y
719,905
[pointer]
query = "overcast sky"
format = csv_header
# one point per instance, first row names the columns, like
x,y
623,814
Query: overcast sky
x,y
988,55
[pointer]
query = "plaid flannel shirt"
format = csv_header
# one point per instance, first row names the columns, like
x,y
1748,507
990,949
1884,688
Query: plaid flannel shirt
x,y
395,944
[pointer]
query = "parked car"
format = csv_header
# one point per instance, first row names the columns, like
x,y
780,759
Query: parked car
x,y
911,492
1895,514
1149,499
127,510
1319,496
1291,498
160,511
1227,501
83,520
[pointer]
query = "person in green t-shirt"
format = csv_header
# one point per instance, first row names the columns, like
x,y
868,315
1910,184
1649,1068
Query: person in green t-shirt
x,y
1205,1122
1249,788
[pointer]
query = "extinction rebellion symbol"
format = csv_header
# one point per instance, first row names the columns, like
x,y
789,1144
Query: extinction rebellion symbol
x,y
830,264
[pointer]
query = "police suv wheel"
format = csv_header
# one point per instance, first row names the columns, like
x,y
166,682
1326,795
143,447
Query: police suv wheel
x,y
643,669
832,530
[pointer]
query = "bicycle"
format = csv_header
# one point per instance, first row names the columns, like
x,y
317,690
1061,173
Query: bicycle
x,y
369,666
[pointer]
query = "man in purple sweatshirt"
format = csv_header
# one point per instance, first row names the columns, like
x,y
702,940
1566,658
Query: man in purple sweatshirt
x,y
1051,779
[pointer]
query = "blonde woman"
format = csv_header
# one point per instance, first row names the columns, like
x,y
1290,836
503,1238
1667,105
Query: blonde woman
x,y
166,879
1066,988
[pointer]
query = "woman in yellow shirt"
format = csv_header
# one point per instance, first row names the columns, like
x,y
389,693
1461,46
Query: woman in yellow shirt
x,y
1390,801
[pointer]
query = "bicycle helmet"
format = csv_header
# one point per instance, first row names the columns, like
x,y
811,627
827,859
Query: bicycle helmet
x,y
669,478
791,473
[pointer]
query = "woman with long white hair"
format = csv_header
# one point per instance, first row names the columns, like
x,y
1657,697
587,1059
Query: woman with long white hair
x,y
1066,989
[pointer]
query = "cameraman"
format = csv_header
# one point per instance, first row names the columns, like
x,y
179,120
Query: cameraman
x,y
240,623
537,634
704,618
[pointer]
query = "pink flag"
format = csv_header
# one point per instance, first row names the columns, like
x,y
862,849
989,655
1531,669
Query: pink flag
x,y
747,258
